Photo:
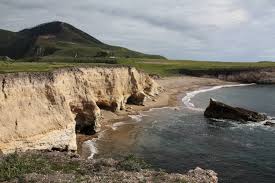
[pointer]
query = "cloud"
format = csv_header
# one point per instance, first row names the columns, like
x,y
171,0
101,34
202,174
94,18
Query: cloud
x,y
180,29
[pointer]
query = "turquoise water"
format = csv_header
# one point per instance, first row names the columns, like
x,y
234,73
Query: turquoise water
x,y
179,140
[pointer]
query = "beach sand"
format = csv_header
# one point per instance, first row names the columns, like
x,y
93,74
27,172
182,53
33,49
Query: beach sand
x,y
174,89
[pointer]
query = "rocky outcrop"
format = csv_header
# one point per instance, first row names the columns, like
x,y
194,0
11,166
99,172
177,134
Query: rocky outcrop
x,y
202,176
259,76
44,110
219,110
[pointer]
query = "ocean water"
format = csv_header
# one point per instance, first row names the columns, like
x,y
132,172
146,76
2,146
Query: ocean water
x,y
181,139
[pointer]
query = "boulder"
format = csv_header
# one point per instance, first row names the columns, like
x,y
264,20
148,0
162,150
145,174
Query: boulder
x,y
219,110
137,98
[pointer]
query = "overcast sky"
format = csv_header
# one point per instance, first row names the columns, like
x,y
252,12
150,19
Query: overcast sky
x,y
229,30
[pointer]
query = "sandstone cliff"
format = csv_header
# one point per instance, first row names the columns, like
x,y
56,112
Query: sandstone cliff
x,y
44,110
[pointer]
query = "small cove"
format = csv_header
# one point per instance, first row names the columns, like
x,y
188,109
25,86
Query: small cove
x,y
181,139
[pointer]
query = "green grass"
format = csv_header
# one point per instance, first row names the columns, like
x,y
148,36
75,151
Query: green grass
x,y
15,166
13,67
164,67
18,165
9,67
160,67
132,163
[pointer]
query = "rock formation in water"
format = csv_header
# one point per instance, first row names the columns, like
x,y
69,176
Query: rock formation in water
x,y
219,110
44,110
269,123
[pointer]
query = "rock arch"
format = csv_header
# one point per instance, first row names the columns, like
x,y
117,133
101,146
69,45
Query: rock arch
x,y
87,116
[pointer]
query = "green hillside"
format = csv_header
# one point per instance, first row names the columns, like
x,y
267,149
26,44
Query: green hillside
x,y
59,39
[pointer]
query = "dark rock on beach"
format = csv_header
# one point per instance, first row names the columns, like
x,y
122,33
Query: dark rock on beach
x,y
219,110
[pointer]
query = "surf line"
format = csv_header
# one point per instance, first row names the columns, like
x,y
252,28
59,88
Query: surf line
x,y
187,99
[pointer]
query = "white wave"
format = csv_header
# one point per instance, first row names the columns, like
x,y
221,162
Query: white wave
x,y
89,149
137,118
187,99
101,134
118,124
253,126
160,108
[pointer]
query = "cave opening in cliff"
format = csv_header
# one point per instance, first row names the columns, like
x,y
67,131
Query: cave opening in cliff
x,y
108,106
136,99
84,125
84,117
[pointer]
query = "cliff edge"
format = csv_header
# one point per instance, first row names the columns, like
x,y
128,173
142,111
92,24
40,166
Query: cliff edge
x,y
45,110
56,167
243,75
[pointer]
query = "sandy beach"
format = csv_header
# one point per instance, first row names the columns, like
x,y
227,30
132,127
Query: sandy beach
x,y
174,89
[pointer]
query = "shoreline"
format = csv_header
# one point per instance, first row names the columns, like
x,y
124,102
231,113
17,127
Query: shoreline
x,y
174,90
189,95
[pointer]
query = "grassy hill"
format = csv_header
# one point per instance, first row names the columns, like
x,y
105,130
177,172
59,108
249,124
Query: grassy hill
x,y
62,40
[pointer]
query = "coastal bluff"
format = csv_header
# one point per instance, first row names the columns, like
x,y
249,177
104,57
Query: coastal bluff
x,y
44,110
242,75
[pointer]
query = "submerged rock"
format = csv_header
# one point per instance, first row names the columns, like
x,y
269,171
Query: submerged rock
x,y
219,110
269,123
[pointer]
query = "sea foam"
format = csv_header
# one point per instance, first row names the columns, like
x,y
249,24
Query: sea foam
x,y
187,99
118,124
89,149
137,118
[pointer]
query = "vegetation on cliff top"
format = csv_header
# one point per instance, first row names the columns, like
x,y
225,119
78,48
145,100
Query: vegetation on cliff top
x,y
68,167
175,67
14,67
160,67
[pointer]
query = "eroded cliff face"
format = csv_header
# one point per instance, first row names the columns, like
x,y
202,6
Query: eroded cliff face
x,y
260,76
246,75
44,110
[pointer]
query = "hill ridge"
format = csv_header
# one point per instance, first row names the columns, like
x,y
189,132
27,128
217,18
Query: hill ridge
x,y
59,39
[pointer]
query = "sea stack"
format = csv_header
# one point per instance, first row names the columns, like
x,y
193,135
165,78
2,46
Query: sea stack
x,y
219,110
